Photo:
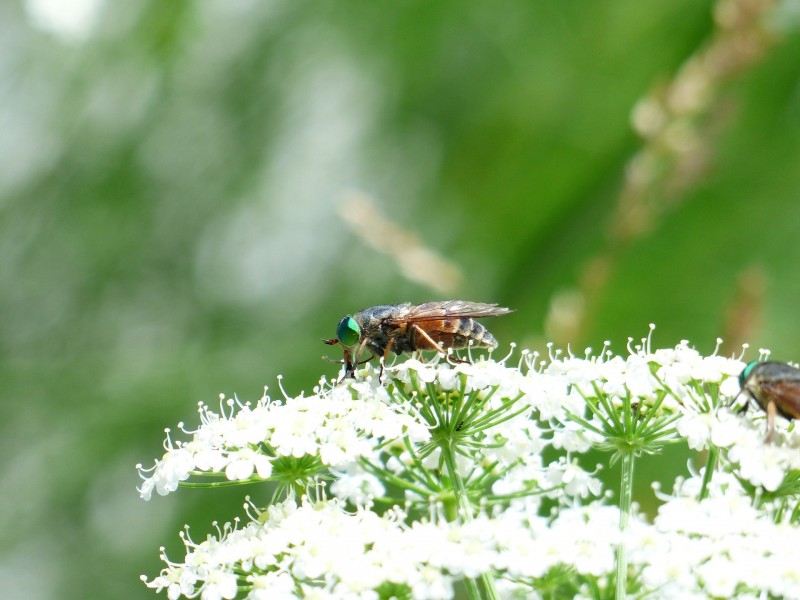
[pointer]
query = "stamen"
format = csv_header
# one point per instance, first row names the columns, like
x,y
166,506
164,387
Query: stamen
x,y
744,349
283,391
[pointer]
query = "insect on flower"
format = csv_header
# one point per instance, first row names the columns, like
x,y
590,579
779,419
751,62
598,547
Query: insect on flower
x,y
775,386
408,327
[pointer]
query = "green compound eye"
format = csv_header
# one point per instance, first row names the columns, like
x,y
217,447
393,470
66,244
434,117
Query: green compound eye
x,y
746,373
348,331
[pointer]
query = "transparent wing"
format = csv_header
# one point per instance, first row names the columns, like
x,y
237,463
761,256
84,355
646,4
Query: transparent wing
x,y
447,309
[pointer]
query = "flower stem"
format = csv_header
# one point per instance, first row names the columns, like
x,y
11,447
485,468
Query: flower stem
x,y
625,500
464,507
711,464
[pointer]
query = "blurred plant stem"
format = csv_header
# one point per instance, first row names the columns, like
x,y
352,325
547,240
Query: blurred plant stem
x,y
413,258
625,501
743,314
678,122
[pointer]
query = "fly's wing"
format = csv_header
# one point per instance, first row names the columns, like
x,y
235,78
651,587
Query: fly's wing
x,y
448,309
786,395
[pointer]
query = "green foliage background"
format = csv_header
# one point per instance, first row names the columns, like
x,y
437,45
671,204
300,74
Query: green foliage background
x,y
170,221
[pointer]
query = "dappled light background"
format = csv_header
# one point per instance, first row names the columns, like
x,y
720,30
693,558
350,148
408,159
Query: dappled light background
x,y
193,193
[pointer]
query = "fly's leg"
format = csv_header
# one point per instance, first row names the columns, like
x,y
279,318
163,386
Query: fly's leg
x,y
360,350
423,333
420,331
384,358
772,410
350,364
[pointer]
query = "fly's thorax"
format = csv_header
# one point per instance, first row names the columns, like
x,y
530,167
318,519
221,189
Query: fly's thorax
x,y
755,375
372,317
372,328
774,371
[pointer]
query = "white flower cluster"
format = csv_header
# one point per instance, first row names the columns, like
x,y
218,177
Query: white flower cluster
x,y
581,538
686,382
320,551
717,547
742,439
315,551
681,375
481,376
720,547
338,425
507,455
376,435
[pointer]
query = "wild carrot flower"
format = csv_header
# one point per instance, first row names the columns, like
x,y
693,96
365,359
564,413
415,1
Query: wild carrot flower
x,y
440,475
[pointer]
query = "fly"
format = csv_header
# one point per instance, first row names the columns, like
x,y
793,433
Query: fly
x,y
408,327
775,386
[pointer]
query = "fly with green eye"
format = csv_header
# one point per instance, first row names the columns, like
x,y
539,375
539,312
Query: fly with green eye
x,y
407,327
775,386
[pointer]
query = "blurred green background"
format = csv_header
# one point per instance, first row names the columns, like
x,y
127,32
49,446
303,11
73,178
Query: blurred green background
x,y
193,193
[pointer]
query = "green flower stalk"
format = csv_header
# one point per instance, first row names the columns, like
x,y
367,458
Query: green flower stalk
x,y
459,420
625,408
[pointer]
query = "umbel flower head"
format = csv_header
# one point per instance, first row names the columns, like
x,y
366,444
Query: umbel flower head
x,y
442,475
290,441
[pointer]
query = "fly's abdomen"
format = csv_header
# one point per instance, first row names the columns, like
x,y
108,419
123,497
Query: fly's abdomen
x,y
471,330
454,333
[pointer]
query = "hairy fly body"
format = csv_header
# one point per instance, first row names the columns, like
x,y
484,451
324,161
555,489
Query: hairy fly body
x,y
408,327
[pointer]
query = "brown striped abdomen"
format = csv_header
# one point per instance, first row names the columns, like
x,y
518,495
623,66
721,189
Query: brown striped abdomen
x,y
453,333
